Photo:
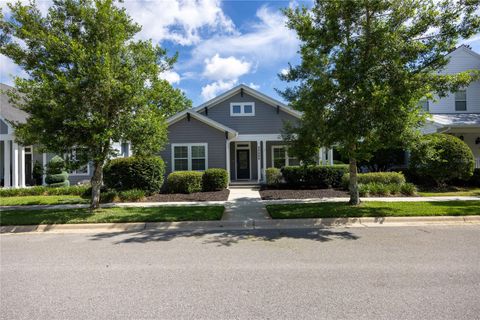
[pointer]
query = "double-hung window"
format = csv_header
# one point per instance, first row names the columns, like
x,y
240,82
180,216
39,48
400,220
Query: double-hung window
x,y
281,158
75,158
461,100
190,156
242,109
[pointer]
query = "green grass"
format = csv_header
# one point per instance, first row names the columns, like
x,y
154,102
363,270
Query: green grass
x,y
71,216
31,200
373,209
472,192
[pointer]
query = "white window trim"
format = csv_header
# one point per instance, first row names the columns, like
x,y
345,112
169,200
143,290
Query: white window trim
x,y
249,148
242,109
287,157
189,154
74,172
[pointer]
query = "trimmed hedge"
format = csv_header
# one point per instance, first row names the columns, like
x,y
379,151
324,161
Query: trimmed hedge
x,y
314,176
56,175
43,191
56,178
184,181
143,173
131,195
376,177
214,179
386,189
274,176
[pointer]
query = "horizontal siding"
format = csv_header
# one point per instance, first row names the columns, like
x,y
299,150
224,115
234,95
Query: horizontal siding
x,y
195,131
265,121
460,60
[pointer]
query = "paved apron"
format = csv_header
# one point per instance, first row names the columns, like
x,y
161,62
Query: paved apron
x,y
244,204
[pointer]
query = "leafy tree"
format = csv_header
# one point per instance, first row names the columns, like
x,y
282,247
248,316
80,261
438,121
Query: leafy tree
x,y
365,66
442,158
90,81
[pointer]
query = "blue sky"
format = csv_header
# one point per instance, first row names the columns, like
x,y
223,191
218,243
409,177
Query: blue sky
x,y
220,43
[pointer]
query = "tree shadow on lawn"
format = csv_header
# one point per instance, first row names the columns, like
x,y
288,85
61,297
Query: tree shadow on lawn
x,y
229,237
459,208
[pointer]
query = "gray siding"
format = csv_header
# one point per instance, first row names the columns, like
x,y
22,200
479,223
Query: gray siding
x,y
195,131
265,121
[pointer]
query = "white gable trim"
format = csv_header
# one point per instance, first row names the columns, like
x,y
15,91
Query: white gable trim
x,y
252,92
214,124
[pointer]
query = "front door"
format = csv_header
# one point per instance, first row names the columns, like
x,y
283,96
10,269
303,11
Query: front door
x,y
243,164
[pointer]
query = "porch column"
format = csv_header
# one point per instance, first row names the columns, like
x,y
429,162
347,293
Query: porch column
x,y
330,156
14,164
259,169
322,156
264,154
227,155
44,164
6,164
21,166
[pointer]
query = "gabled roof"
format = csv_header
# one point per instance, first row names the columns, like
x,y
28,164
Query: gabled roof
x,y
254,93
467,50
7,110
179,116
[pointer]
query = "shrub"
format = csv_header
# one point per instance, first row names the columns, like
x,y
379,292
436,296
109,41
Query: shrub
x,y
376,177
37,173
43,190
106,195
440,158
408,189
131,195
383,189
143,173
56,174
274,176
215,179
314,176
184,181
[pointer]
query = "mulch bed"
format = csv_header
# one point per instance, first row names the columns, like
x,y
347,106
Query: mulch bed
x,y
198,196
279,194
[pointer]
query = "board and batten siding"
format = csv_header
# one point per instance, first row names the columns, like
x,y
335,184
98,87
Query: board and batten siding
x,y
460,60
195,131
265,121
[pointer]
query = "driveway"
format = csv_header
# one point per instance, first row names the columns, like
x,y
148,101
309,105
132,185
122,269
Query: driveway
x,y
343,273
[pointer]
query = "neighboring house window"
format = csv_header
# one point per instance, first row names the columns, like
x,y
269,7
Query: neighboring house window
x,y
281,159
242,109
125,150
191,156
461,100
82,170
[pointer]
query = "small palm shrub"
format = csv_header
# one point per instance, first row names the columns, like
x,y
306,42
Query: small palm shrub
x,y
376,177
274,176
131,195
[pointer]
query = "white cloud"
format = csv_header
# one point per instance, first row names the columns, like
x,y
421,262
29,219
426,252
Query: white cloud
x,y
211,90
218,68
171,76
254,86
268,42
9,70
284,71
180,21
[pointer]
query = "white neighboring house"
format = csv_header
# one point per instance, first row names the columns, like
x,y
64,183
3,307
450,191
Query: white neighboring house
x,y
16,161
459,113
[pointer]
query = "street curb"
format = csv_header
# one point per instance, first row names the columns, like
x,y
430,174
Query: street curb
x,y
221,225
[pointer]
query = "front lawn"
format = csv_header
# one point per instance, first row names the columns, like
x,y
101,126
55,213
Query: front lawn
x,y
31,200
373,209
452,192
112,215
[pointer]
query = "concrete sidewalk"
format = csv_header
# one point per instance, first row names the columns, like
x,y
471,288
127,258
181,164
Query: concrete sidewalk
x,y
250,224
245,204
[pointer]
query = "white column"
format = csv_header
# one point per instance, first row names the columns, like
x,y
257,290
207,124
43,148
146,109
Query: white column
x,y
330,156
227,155
44,163
322,156
14,165
264,154
6,164
21,166
259,169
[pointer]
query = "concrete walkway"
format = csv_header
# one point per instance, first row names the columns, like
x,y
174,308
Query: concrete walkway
x,y
244,204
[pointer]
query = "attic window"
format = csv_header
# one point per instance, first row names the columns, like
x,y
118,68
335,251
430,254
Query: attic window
x,y
242,109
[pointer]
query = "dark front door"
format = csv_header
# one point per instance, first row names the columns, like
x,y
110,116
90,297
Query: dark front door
x,y
28,170
243,164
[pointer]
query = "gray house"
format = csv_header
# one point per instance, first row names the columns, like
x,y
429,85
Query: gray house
x,y
240,131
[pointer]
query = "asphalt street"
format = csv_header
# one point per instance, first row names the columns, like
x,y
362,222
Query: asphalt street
x,y
341,273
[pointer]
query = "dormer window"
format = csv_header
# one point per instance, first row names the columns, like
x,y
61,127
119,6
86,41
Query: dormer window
x,y
242,109
461,100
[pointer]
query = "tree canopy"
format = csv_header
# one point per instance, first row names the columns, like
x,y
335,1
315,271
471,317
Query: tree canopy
x,y
365,66
90,81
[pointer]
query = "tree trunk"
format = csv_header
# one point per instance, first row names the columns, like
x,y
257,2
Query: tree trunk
x,y
353,183
96,181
